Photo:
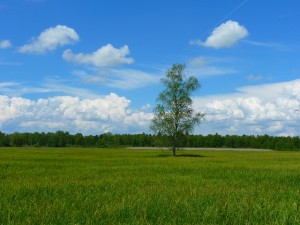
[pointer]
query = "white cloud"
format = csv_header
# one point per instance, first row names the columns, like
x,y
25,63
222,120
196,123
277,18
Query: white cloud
x,y
253,77
50,39
272,45
225,35
7,84
106,56
10,88
262,109
209,71
49,86
258,77
199,61
139,119
5,44
10,63
62,87
89,116
130,79
119,78
207,66
13,108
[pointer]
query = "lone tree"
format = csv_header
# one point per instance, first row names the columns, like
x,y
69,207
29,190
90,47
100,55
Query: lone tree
x,y
174,117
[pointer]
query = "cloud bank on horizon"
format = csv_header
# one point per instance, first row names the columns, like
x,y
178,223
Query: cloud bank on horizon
x,y
88,116
263,109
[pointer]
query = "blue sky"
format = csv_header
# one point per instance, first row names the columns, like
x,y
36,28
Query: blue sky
x,y
94,66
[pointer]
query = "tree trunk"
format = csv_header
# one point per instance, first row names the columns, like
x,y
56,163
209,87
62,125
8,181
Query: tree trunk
x,y
174,146
174,151
175,139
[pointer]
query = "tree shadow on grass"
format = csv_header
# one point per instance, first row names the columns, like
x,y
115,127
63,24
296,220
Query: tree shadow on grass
x,y
191,155
182,156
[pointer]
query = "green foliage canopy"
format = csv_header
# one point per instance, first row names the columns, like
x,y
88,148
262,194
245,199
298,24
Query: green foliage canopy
x,y
174,115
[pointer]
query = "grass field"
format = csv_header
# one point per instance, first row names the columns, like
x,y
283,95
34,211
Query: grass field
x,y
118,186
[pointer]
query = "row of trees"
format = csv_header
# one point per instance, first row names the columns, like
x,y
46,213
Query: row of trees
x,y
65,139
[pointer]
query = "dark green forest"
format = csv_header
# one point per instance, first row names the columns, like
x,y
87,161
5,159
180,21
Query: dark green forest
x,y
65,139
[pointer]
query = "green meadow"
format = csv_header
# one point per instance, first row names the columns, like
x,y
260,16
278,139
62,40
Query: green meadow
x,y
120,186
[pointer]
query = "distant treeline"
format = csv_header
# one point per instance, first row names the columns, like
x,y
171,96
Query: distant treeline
x,y
65,139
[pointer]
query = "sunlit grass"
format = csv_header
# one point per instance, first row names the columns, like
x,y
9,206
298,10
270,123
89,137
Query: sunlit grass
x,y
92,186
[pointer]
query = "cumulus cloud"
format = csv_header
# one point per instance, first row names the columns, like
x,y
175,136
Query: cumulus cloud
x,y
89,116
5,44
262,109
106,56
225,35
50,39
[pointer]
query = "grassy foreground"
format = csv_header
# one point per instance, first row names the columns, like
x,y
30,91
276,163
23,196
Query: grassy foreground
x,y
92,186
